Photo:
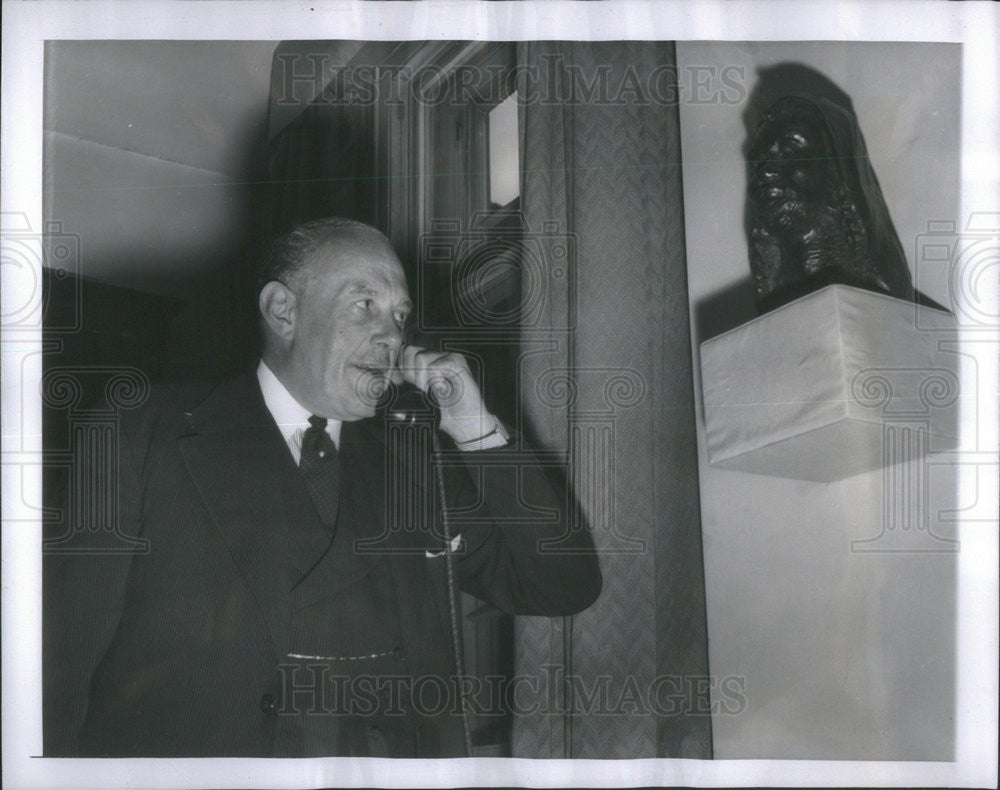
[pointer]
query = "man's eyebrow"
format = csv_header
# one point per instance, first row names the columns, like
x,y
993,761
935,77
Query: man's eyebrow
x,y
363,288
358,287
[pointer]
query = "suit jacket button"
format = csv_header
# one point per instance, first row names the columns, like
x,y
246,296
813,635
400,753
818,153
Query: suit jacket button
x,y
267,704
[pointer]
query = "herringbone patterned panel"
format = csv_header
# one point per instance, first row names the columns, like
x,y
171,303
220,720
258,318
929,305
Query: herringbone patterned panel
x,y
539,641
609,173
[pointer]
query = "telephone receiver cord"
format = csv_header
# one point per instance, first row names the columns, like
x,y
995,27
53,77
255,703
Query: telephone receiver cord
x,y
405,410
456,642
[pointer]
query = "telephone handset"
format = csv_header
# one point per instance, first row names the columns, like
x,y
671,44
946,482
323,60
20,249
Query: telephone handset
x,y
406,403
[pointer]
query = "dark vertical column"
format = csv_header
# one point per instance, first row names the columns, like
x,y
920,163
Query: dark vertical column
x,y
681,620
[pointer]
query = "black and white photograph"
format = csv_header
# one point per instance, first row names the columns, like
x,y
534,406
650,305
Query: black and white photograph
x,y
504,393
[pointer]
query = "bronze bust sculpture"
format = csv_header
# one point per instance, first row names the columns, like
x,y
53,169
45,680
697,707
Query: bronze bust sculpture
x,y
815,211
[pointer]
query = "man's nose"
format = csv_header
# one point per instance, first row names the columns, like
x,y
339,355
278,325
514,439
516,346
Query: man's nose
x,y
389,334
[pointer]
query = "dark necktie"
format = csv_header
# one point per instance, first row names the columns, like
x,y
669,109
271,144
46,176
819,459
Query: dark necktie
x,y
320,468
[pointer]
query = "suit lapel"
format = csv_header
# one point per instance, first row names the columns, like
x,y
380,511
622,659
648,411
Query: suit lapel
x,y
244,472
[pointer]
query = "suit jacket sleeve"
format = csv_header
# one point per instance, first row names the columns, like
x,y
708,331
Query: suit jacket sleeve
x,y
525,548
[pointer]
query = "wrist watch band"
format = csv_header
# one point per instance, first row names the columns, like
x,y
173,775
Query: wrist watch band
x,y
498,437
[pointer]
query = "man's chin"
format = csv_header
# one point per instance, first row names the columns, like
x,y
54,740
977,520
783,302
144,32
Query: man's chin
x,y
358,410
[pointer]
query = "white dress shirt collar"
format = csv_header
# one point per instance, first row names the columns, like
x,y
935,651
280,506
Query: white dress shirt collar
x,y
292,418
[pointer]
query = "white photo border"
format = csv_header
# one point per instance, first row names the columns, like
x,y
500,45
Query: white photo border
x,y
26,27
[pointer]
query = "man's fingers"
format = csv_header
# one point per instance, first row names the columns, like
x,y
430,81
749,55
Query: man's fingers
x,y
407,365
425,368
406,354
447,376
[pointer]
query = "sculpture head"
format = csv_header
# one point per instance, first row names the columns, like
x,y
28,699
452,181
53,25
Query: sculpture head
x,y
814,207
790,172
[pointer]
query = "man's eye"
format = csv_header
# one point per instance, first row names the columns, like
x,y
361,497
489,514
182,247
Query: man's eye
x,y
401,318
365,304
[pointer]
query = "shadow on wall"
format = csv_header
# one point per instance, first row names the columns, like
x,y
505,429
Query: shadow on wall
x,y
206,334
214,336
725,309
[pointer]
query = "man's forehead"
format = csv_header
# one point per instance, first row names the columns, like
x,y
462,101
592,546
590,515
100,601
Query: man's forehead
x,y
357,256
346,275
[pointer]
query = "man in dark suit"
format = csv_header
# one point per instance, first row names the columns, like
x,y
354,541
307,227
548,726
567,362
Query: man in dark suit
x,y
296,597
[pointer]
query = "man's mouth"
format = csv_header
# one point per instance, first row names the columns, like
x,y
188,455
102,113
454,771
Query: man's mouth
x,y
374,370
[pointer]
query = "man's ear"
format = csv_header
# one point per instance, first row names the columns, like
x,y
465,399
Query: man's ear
x,y
277,304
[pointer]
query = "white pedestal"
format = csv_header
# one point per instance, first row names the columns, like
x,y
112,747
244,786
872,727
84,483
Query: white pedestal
x,y
825,387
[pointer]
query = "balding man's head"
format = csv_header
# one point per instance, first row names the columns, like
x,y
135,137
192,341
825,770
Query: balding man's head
x,y
288,256
333,303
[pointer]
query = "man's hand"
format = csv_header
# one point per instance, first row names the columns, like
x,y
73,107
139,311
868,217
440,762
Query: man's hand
x,y
446,376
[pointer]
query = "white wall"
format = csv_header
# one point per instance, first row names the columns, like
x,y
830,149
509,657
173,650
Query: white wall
x,y
154,154
144,223
845,655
